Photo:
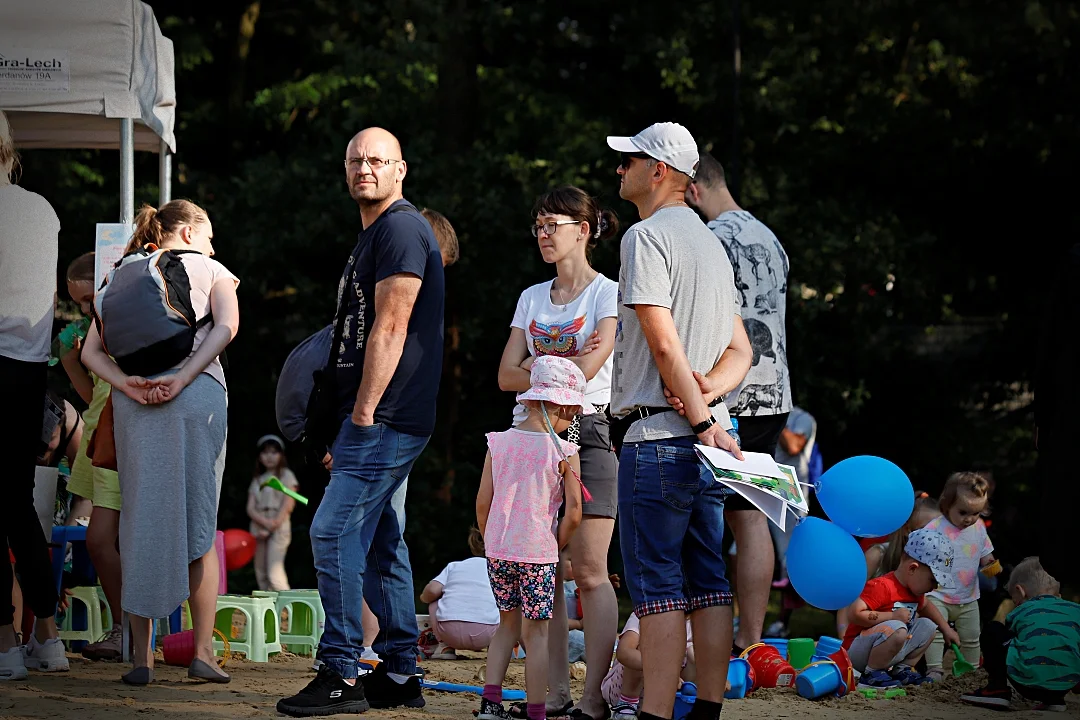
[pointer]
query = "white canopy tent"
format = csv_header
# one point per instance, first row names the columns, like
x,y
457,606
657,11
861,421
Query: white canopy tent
x,y
92,74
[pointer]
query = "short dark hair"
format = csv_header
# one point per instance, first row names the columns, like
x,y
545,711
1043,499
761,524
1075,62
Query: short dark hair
x,y
710,172
81,268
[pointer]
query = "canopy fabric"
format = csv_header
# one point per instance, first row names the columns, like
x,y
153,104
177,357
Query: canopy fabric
x,y
71,69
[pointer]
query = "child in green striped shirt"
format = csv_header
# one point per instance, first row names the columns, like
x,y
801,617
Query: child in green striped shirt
x,y
1037,649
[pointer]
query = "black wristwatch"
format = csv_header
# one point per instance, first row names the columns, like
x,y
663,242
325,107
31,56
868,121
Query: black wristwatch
x,y
703,425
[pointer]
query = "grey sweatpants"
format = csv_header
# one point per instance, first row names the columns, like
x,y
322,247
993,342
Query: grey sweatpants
x,y
921,631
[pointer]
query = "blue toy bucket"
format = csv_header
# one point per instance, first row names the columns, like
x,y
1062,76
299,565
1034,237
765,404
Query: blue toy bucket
x,y
820,679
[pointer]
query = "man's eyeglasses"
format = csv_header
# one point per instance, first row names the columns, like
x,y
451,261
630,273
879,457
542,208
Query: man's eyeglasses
x,y
551,226
375,163
625,158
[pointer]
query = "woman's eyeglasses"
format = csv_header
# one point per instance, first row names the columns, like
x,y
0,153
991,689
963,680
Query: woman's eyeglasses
x,y
625,158
551,226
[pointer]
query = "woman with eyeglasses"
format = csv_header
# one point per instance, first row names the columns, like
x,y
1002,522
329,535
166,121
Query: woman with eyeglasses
x,y
575,316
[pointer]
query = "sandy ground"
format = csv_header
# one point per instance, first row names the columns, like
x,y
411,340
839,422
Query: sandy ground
x,y
93,691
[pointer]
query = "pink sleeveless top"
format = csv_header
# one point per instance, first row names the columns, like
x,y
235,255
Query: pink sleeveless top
x,y
528,492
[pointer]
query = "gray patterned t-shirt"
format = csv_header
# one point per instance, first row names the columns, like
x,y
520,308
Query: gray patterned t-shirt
x,y
761,270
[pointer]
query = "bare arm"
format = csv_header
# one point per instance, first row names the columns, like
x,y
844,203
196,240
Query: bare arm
x,y
873,560
591,363
99,362
863,616
629,651
485,495
676,373
572,497
733,365
725,376
226,310
929,610
432,592
512,377
395,297
80,379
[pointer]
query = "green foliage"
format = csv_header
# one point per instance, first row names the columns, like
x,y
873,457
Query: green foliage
x,y
903,152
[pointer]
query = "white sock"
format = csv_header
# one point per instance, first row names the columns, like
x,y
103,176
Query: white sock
x,y
399,678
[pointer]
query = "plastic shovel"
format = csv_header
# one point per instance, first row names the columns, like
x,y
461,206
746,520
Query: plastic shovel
x,y
274,483
960,664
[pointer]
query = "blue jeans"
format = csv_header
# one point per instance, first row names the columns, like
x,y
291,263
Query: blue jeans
x,y
359,549
671,527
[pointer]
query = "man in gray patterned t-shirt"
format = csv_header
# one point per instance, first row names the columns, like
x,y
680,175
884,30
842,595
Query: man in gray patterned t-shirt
x,y
677,316
763,399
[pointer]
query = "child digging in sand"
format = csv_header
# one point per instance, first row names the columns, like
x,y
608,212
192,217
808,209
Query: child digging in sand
x,y
528,473
1036,650
887,636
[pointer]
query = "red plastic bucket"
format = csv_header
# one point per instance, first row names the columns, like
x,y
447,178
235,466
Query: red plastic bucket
x,y
770,667
179,648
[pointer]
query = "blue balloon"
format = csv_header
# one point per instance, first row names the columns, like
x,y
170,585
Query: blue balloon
x,y
825,564
866,495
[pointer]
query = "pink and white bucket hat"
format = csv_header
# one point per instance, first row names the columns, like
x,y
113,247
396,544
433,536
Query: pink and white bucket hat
x,y
557,380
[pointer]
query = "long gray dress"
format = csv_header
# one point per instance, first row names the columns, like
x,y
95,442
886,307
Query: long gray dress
x,y
170,458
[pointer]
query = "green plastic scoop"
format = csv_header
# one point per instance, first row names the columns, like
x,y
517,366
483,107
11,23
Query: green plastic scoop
x,y
960,664
274,483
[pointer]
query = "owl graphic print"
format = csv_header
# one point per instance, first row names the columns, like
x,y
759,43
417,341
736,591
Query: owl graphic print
x,y
554,329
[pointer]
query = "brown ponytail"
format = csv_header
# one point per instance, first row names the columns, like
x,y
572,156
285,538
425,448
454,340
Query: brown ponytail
x,y
155,226
579,205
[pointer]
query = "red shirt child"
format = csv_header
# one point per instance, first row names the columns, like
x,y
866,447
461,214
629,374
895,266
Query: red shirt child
x,y
885,594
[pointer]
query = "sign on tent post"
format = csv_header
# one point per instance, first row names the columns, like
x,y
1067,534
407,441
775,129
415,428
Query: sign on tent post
x,y
109,246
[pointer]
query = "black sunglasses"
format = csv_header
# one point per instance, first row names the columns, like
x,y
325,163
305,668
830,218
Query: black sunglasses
x,y
625,158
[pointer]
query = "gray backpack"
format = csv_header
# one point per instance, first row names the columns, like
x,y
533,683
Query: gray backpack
x,y
144,314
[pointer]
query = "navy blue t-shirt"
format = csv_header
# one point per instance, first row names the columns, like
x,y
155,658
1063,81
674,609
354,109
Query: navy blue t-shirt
x,y
401,241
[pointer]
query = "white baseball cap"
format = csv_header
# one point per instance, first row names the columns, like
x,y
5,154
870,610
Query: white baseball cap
x,y
667,142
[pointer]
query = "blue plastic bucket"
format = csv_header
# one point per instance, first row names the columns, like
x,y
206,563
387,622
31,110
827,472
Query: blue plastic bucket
x,y
739,676
819,679
826,646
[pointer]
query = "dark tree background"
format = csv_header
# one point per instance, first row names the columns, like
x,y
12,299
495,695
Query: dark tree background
x,y
906,153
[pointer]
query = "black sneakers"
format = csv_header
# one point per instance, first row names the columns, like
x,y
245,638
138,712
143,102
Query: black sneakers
x,y
327,694
382,691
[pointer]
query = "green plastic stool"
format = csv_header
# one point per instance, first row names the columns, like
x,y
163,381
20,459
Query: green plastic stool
x,y
92,599
306,619
260,638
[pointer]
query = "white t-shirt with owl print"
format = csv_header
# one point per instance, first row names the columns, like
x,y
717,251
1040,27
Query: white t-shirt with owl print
x,y
761,272
562,330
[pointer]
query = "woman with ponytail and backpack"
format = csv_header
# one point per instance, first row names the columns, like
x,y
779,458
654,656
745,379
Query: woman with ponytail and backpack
x,y
163,318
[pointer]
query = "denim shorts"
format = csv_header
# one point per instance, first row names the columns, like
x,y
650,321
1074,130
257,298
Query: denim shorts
x,y
671,528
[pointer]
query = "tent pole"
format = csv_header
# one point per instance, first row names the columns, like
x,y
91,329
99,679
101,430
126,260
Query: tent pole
x,y
127,170
164,174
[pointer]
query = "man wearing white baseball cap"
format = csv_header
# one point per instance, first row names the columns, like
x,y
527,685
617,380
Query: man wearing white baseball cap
x,y
679,334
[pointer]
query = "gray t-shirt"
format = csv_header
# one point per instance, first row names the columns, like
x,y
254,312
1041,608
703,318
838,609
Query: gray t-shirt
x,y
761,271
670,260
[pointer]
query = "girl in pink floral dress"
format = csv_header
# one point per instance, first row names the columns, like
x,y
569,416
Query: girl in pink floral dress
x,y
529,473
